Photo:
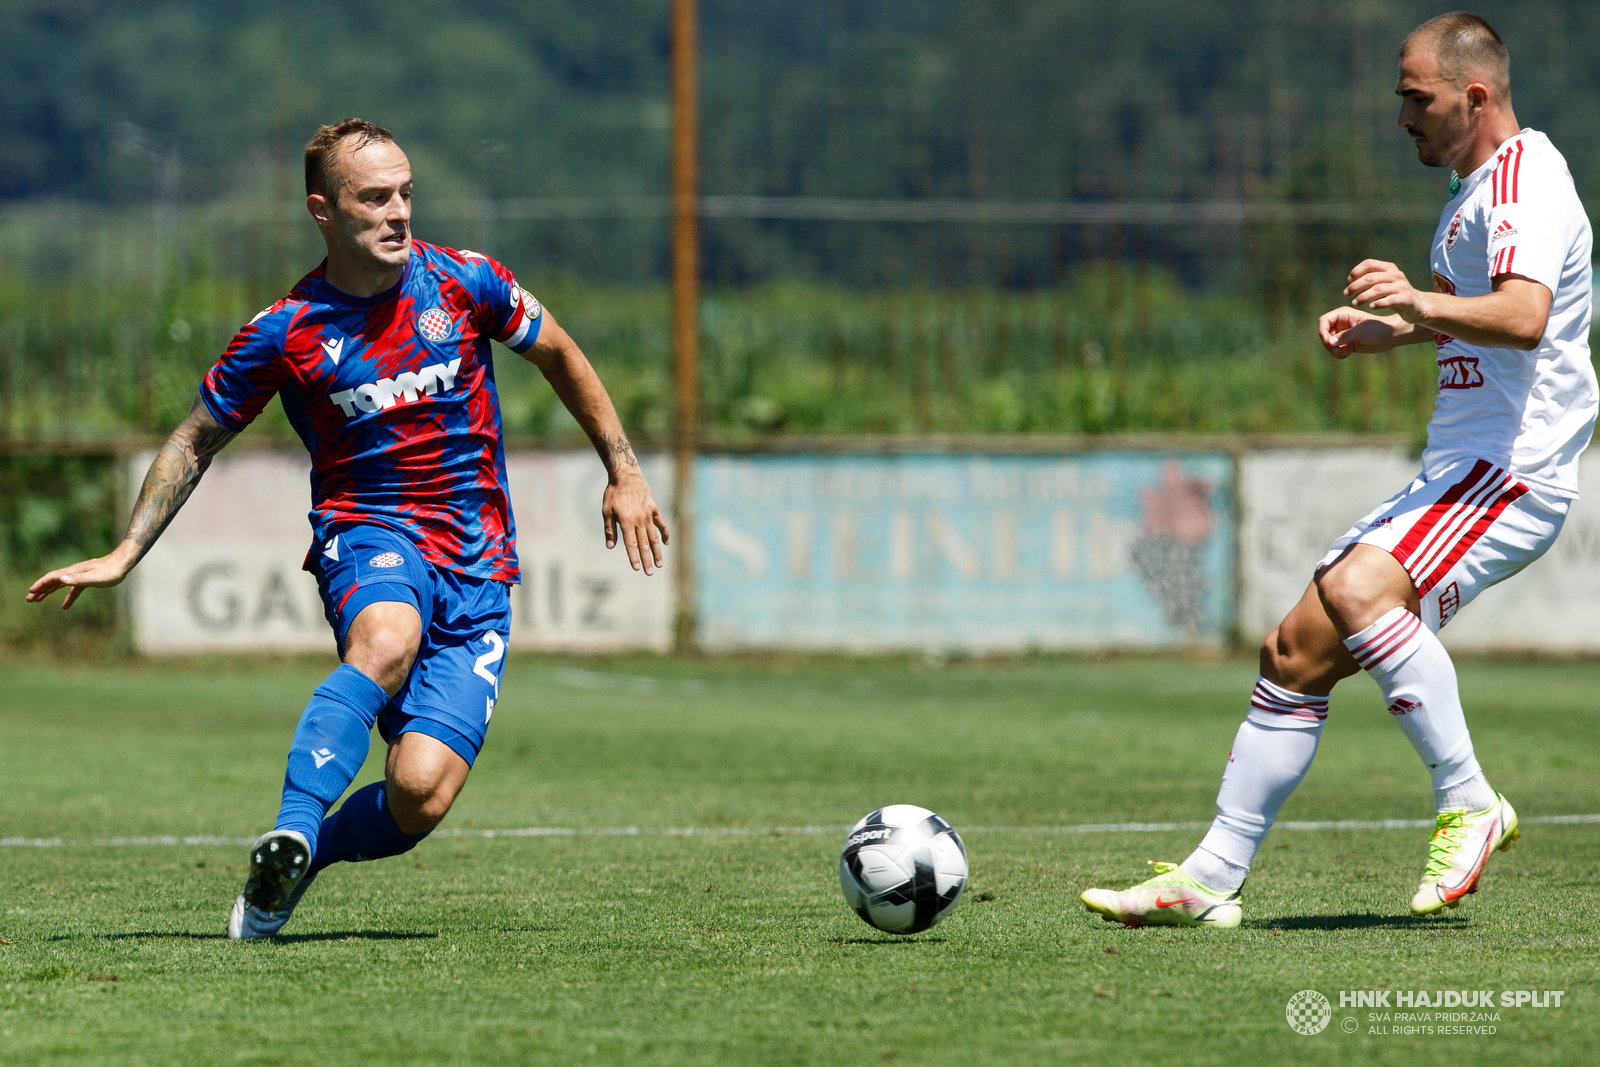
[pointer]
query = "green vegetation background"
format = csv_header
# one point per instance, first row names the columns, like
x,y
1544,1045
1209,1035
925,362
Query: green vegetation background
x,y
996,98
142,141
149,170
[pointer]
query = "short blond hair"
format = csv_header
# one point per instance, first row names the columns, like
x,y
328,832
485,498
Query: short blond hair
x,y
322,151
1464,43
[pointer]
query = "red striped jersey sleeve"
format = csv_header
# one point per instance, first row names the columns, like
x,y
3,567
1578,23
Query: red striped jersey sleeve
x,y
1529,215
506,311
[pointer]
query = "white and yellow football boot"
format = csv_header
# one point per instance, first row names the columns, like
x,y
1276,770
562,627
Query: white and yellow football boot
x,y
1171,898
1461,845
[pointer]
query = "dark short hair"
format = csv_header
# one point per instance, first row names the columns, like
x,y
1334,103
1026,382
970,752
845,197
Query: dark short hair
x,y
1464,42
322,151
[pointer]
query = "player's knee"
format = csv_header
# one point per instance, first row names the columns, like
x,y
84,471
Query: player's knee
x,y
1273,650
418,805
1301,659
1344,589
1359,588
382,642
385,656
1282,662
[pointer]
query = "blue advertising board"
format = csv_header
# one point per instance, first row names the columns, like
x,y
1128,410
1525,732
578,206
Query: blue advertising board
x,y
964,552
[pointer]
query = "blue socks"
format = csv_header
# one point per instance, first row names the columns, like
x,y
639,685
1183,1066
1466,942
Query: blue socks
x,y
329,747
362,829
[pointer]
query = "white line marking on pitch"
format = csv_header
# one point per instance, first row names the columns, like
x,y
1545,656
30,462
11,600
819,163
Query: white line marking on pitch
x,y
786,831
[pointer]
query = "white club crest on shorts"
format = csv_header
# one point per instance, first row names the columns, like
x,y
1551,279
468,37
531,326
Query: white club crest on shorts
x,y
1308,1012
386,559
434,324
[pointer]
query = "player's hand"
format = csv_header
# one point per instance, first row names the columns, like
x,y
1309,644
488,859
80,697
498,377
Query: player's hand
x,y
96,573
1380,286
1346,331
630,511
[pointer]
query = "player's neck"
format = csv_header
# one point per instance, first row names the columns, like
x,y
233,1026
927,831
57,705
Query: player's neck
x,y
1494,132
358,277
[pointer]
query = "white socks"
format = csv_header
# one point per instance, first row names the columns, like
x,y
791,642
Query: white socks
x,y
1418,683
1275,745
1270,756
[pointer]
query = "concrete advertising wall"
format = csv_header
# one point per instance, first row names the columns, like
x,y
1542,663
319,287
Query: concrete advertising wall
x,y
964,552
227,572
1294,503
935,552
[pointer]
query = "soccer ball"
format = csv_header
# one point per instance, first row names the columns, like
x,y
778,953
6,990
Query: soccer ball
x,y
902,869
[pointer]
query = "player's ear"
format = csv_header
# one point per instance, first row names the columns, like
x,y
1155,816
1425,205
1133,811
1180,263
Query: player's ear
x,y
1477,96
321,209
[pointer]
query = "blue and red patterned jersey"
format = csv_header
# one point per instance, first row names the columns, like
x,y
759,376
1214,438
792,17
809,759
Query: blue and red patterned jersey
x,y
394,397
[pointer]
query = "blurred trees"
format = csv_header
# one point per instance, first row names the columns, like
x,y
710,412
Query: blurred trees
x,y
887,98
179,104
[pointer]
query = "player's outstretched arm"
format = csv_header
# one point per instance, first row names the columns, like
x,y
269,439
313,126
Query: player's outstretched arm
x,y
172,477
629,509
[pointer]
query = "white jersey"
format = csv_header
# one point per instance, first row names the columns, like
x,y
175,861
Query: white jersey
x,y
1530,413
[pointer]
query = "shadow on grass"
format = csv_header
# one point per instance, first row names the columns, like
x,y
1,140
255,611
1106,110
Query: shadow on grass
x,y
913,940
1362,921
141,935
189,935
355,935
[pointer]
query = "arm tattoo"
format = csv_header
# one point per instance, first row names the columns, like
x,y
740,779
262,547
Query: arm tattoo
x,y
615,451
174,474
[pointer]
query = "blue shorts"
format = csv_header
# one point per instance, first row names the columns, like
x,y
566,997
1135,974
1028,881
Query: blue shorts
x,y
451,692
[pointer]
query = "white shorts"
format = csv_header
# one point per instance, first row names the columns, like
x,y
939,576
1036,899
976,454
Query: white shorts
x,y
1458,533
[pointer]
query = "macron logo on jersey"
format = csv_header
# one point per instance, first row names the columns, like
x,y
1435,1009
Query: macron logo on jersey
x,y
386,392
334,347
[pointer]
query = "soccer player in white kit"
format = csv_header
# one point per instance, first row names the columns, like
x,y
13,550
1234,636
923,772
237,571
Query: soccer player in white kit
x,y
1509,311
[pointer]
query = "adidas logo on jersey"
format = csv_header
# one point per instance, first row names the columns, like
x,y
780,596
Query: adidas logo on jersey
x,y
386,392
1502,231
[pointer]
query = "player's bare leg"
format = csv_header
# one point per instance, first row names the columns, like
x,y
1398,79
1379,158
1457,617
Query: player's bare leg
x,y
1305,652
382,643
1359,589
424,776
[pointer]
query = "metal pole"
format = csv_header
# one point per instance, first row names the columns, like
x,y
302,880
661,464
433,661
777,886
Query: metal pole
x,y
685,315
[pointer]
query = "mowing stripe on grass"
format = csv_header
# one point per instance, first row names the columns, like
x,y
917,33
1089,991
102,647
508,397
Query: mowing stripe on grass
x,y
786,831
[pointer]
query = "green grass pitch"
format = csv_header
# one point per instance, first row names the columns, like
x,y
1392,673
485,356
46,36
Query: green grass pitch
x,y
736,948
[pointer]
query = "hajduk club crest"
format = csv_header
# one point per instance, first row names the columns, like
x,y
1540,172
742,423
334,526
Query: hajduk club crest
x,y
1453,232
434,324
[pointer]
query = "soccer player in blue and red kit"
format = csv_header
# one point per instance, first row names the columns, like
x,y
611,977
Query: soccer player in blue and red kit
x,y
381,357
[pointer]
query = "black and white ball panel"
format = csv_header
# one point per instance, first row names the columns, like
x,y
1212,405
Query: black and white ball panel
x,y
902,868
